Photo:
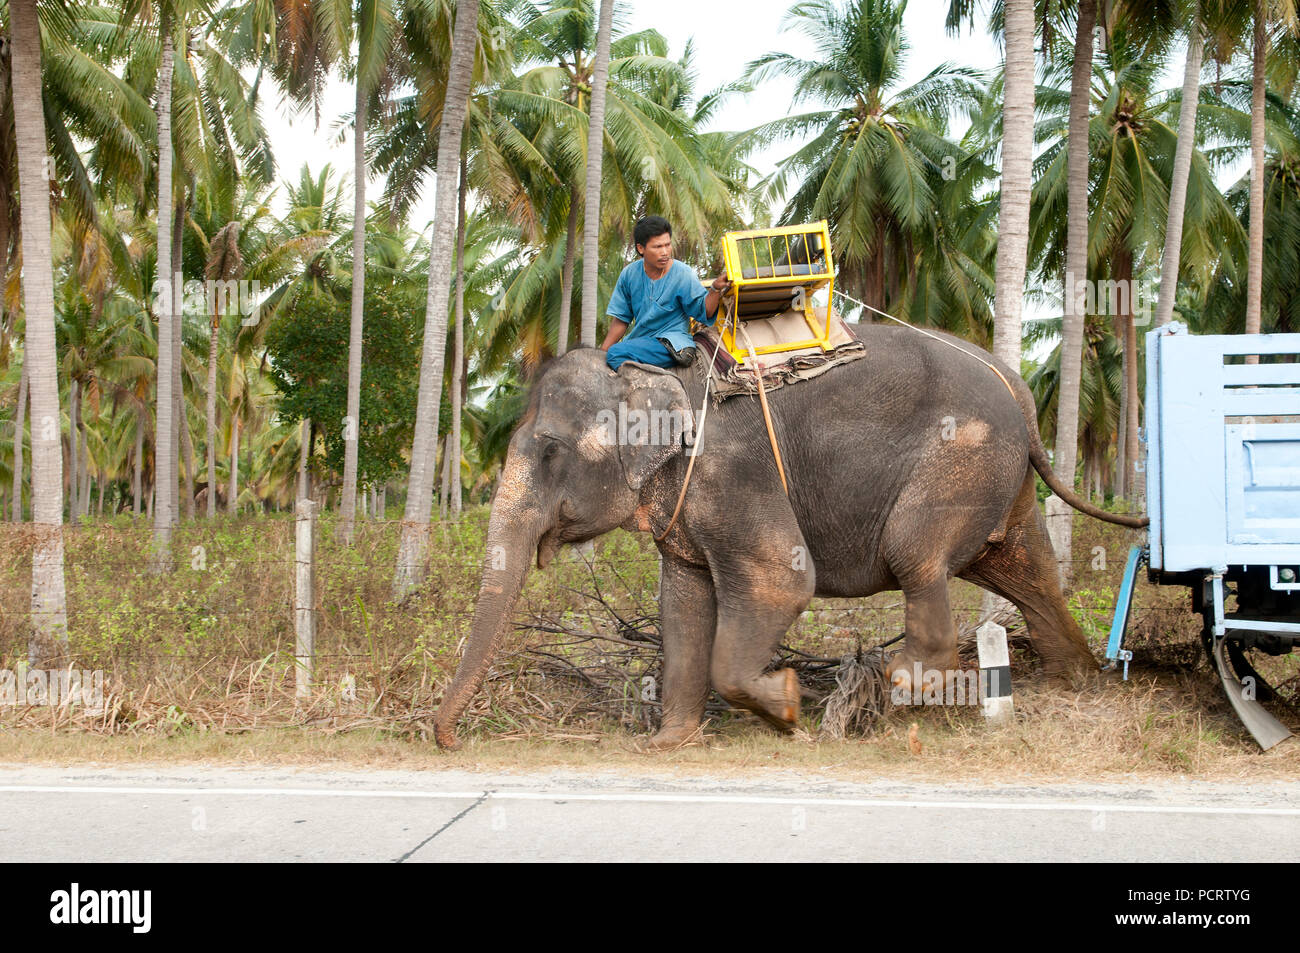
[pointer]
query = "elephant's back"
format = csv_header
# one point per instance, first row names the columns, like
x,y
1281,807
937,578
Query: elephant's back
x,y
914,410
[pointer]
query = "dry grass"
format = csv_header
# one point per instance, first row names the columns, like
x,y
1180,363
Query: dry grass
x,y
198,670
1158,724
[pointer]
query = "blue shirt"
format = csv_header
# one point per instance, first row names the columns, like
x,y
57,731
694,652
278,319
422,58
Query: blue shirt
x,y
659,308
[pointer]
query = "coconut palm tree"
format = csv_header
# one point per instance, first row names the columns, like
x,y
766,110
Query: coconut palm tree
x,y
49,639
595,159
164,442
1130,173
419,500
1224,309
879,165
225,262
1268,16
86,103
1182,169
20,412
376,34
1255,262
528,140
1060,519
1017,177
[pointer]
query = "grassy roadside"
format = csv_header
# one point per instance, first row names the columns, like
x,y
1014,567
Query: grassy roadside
x,y
1154,726
198,669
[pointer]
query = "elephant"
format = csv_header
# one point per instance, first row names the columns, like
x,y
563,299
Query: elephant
x,y
905,468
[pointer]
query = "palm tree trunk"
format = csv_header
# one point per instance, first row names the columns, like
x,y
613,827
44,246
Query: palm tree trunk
x,y
458,347
1017,156
1059,516
74,456
413,547
1255,260
48,640
137,476
595,156
1182,171
19,422
183,442
85,469
445,490
210,417
1132,477
187,448
566,274
1013,217
1121,440
180,438
164,458
233,498
352,422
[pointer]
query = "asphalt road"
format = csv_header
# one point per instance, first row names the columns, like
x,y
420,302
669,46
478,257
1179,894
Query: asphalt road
x,y
265,814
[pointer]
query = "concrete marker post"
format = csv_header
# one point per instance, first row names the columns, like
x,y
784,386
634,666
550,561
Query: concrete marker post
x,y
995,674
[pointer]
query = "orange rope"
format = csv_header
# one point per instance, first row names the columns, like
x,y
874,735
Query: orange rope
x,y
767,413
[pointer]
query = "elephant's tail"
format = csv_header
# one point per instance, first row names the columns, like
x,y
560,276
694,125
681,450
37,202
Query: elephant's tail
x,y
1038,457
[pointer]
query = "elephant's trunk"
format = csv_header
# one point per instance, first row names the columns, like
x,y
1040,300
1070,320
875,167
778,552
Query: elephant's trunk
x,y
514,529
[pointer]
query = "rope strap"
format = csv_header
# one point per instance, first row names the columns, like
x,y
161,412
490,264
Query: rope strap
x,y
884,314
699,440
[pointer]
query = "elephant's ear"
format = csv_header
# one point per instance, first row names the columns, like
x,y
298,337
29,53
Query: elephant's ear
x,y
657,423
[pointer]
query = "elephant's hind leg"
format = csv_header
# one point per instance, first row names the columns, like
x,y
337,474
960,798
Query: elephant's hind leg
x,y
688,612
755,609
1022,568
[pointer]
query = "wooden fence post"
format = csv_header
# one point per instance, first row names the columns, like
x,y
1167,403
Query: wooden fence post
x,y
304,597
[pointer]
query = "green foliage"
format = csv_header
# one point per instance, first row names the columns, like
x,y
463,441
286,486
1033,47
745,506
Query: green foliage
x,y
309,365
1093,609
905,172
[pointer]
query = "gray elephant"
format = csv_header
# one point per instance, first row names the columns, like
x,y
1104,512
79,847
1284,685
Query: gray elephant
x,y
905,468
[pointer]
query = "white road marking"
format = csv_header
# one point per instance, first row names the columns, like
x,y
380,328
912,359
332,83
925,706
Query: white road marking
x,y
650,798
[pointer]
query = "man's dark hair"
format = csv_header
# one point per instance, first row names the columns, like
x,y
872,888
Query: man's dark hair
x,y
652,226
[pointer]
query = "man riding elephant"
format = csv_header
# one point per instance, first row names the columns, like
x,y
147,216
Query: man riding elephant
x,y
652,301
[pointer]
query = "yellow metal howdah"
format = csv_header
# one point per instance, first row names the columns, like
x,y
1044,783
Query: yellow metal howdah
x,y
774,270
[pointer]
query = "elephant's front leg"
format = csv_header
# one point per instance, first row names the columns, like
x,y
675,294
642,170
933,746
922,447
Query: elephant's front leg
x,y
687,612
930,648
757,604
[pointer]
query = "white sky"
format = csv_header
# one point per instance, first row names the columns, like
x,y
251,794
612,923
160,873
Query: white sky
x,y
727,33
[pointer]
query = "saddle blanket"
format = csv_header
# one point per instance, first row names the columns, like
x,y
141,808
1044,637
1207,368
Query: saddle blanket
x,y
731,377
